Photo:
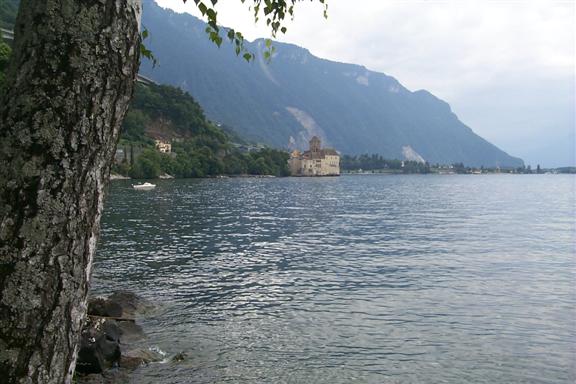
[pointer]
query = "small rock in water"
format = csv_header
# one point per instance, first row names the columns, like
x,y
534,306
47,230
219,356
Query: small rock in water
x,y
131,332
139,357
99,306
110,323
130,303
179,357
99,346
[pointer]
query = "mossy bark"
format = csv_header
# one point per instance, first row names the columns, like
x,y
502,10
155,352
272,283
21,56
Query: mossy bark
x,y
69,83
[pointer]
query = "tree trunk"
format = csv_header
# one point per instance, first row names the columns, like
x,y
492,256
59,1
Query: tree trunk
x,y
69,83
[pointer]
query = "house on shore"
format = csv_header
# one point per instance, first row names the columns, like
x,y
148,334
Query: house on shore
x,y
163,146
315,161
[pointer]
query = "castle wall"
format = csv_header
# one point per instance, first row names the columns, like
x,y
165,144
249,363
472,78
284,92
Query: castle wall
x,y
327,166
315,162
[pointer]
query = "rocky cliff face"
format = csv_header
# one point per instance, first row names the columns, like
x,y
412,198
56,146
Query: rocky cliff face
x,y
298,95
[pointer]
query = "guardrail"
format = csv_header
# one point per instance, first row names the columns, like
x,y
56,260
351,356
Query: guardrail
x,y
145,80
7,34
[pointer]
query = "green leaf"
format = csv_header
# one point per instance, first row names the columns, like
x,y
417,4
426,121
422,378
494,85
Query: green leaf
x,y
211,14
203,8
144,52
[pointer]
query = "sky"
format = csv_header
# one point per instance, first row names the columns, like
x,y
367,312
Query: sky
x,y
506,67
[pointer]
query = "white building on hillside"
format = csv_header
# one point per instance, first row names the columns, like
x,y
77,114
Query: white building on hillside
x,y
163,146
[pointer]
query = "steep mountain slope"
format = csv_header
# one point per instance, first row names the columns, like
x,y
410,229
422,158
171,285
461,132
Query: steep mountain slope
x,y
298,95
8,11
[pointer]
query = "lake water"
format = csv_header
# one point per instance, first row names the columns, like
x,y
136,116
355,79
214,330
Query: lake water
x,y
367,279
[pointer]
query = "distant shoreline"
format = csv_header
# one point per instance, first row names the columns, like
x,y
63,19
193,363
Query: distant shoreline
x,y
114,177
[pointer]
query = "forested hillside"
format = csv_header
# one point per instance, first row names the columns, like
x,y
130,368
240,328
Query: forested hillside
x,y
199,147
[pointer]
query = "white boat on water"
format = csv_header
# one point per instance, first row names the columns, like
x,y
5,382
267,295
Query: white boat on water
x,y
144,187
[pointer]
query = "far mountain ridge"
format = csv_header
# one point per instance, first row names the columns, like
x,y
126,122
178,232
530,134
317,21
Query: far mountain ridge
x,y
298,95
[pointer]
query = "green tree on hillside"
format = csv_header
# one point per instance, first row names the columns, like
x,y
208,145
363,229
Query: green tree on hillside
x,y
147,166
133,128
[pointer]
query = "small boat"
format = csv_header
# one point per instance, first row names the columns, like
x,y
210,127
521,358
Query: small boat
x,y
144,187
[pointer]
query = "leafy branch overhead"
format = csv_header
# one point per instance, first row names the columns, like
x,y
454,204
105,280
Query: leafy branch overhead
x,y
273,11
145,52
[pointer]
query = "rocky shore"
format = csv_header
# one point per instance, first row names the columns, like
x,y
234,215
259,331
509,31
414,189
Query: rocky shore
x,y
112,343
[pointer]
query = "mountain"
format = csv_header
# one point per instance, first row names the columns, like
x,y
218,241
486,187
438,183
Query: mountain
x,y
8,11
297,95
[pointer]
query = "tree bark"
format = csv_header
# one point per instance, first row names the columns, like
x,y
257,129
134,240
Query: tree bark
x,y
69,83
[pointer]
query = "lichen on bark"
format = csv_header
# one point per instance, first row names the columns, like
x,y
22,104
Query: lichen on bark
x,y
68,86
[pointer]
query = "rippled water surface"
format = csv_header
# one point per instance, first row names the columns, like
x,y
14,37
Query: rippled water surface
x,y
368,279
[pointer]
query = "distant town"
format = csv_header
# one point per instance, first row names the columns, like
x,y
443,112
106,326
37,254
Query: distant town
x,y
367,164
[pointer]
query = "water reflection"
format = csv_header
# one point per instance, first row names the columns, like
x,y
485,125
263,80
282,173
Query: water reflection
x,y
368,279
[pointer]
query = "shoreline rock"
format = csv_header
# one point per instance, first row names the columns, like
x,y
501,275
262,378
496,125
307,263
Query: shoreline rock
x,y
111,340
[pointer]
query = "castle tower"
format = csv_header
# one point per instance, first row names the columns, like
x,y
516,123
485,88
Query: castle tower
x,y
315,144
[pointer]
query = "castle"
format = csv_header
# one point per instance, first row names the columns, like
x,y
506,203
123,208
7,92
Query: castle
x,y
315,162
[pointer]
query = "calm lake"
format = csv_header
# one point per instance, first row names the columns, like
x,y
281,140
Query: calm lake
x,y
368,279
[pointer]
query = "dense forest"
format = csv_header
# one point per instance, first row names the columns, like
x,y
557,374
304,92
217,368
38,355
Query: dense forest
x,y
200,148
377,162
